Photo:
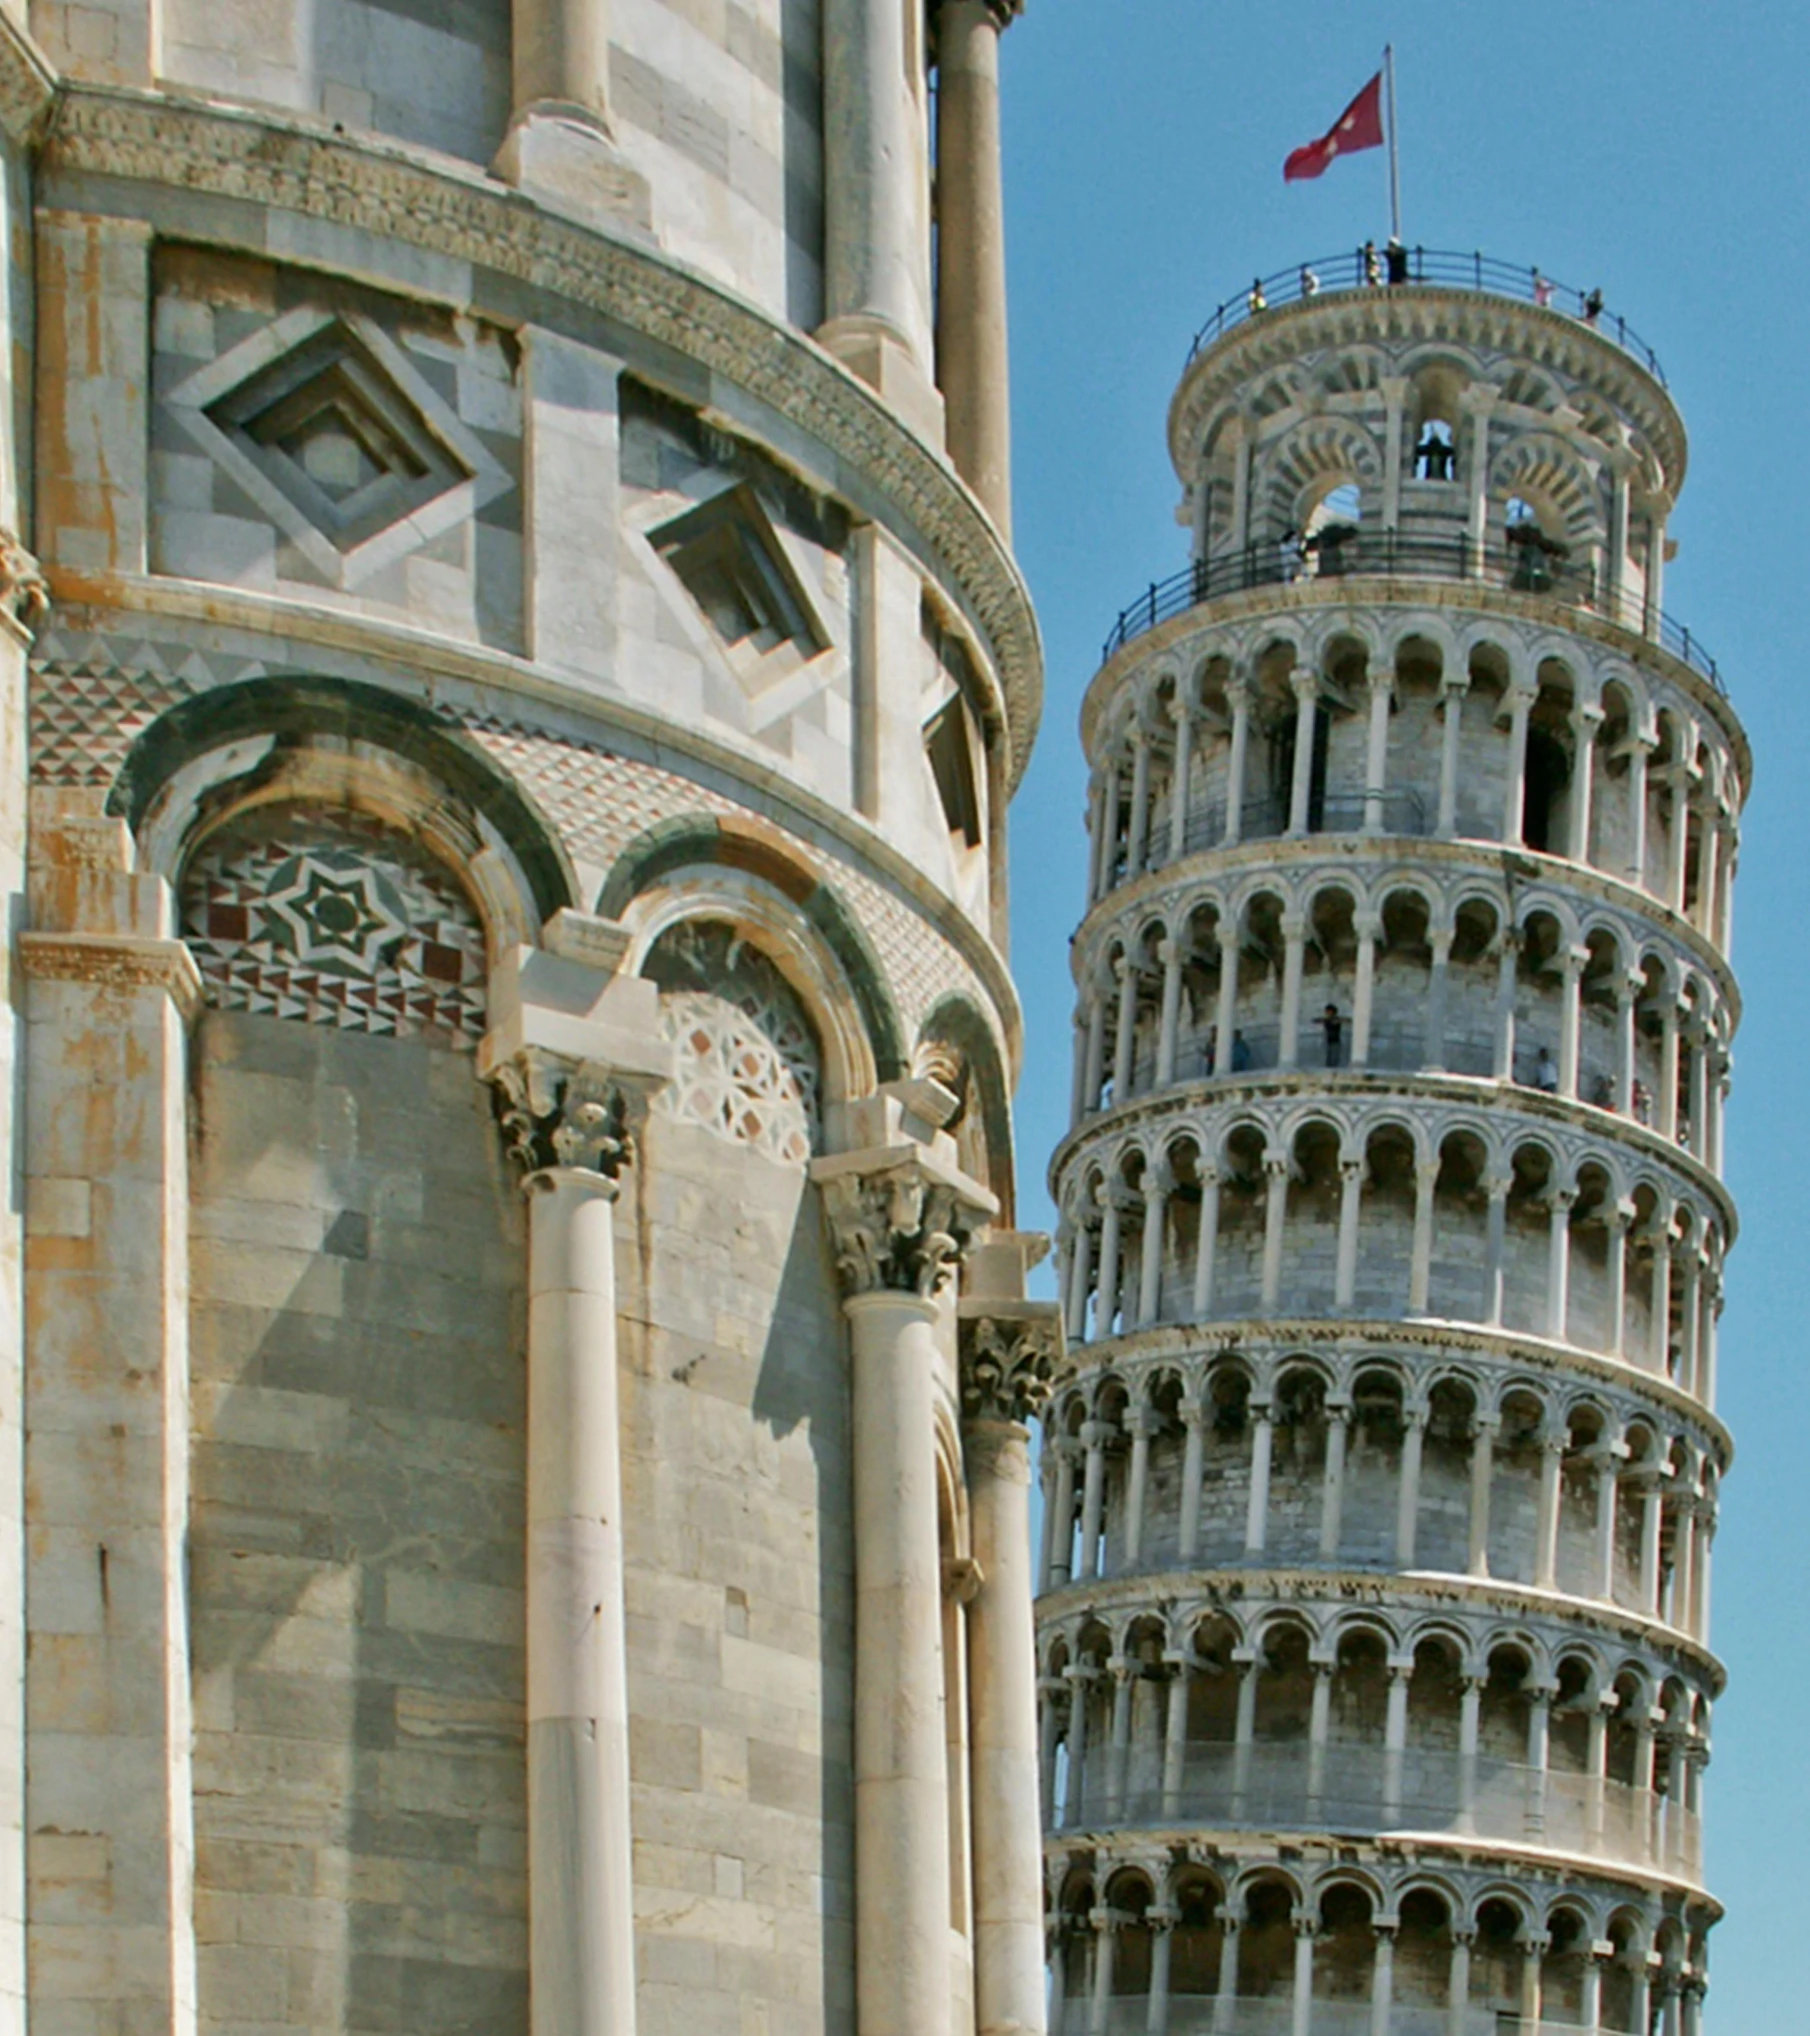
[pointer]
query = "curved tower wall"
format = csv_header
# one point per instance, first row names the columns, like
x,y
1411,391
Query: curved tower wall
x,y
522,693
1384,1472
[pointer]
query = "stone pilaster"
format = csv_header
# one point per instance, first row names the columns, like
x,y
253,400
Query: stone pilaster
x,y
109,993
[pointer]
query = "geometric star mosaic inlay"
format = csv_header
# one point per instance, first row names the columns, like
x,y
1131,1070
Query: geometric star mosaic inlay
x,y
333,919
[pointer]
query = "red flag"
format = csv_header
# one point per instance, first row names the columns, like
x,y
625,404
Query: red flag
x,y
1359,126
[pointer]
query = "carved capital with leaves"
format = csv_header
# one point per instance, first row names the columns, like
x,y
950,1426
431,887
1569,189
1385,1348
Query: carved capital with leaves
x,y
1009,1354
561,1113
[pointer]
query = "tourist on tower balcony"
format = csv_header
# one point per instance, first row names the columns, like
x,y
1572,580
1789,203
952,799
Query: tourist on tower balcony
x,y
1333,1026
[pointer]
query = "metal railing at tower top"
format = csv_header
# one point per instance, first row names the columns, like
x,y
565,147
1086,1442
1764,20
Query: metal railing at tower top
x,y
1446,268
1521,568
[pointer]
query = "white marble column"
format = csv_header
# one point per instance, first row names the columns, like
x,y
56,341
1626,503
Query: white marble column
x,y
1294,959
876,280
1093,1499
1367,928
1138,1426
1678,777
1458,1983
1332,1496
1225,1013
1420,1263
1608,1493
1302,2009
1158,1184
1009,1351
1206,1249
1395,1737
1495,1241
1181,787
1257,1505
1238,693
1617,1219
1351,1189
1162,1922
1407,1509
1452,692
1559,1205
1627,998
1194,1420
1521,696
1660,1300
1276,1172
1508,953
1376,753
1639,750
571,1120
1586,723
560,142
972,364
899,1212
1306,686
1546,1551
1138,842
1652,1530
1172,955
1124,1043
1470,1713
1175,1730
1483,1471
1573,963
1433,1048
1382,1980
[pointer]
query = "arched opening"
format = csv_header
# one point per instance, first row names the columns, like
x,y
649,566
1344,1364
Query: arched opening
x,y
1345,1953
1430,1792
1386,1223
1497,1958
1459,1280
1516,1488
1311,1221
1243,1216
1404,1026
1373,1468
1442,1541
1266,1943
1545,790
1297,1465
1197,1936
1467,1027
1423,1954
1329,965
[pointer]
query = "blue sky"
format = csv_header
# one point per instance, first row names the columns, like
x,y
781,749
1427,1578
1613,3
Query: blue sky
x,y
1663,152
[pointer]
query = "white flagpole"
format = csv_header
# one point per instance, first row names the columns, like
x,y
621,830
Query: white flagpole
x,y
1394,150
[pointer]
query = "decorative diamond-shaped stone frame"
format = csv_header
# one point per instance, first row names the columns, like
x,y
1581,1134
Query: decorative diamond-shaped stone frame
x,y
434,472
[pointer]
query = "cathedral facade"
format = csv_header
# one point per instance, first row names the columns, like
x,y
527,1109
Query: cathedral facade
x,y
515,1357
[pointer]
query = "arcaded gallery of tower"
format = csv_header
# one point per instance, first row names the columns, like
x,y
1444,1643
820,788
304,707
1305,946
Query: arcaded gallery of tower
x,y
1374,1621
513,1359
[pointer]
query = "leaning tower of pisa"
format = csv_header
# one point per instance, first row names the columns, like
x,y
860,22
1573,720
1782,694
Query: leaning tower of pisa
x,y
1383,1472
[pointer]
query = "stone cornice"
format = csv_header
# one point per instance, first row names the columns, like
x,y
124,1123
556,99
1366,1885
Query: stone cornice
x,y
1389,1591
1170,1108
406,196
114,962
1103,1846
1410,315
1509,1348
1407,854
118,605
27,83
1383,590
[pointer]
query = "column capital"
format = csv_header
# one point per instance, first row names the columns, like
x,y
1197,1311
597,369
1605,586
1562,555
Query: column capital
x,y
1304,683
1454,682
1181,710
1367,925
578,1115
901,1213
1009,1351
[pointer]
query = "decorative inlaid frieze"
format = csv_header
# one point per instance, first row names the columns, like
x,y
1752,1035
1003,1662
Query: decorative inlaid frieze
x,y
331,919
749,1067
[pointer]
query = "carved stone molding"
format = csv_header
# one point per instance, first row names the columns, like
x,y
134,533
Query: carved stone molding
x,y
388,192
114,962
900,1228
560,1113
1009,1354
24,592
27,83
